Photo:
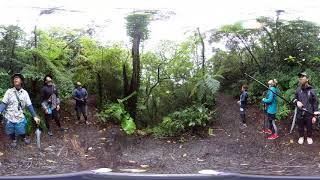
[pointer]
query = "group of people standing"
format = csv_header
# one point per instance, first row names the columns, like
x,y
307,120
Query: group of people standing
x,y
305,101
16,99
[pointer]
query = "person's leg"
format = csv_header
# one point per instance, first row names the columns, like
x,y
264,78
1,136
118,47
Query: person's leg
x,y
309,126
55,116
270,124
47,118
84,112
21,130
242,117
275,129
77,108
10,131
301,127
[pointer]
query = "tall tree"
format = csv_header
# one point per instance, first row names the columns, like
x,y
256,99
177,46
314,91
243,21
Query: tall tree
x,y
137,30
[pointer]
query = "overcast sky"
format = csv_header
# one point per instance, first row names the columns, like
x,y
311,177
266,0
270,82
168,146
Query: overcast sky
x,y
109,14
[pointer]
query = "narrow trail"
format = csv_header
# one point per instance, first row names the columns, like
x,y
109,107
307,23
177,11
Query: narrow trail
x,y
106,146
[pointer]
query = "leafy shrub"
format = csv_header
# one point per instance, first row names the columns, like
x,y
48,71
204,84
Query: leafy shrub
x,y
117,113
182,121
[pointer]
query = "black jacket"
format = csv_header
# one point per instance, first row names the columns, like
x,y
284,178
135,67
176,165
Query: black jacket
x,y
308,97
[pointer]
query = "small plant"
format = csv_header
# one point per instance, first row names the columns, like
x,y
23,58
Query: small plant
x,y
117,112
182,121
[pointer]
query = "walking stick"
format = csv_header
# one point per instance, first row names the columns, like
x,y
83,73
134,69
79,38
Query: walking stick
x,y
294,120
38,137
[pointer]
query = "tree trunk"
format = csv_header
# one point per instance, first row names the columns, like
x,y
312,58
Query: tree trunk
x,y
100,90
135,79
35,58
125,81
202,52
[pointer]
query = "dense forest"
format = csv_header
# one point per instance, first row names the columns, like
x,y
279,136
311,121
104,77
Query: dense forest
x,y
171,89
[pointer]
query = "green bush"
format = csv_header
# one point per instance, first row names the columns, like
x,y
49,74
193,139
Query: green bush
x,y
182,121
117,113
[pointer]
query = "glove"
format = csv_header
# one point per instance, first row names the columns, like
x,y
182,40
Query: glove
x,y
37,120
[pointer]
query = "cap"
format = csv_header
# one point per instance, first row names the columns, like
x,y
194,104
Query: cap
x,y
303,74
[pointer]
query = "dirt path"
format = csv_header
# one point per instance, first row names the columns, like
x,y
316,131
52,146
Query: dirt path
x,y
105,146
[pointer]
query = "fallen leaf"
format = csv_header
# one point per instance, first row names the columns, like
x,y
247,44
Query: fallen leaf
x,y
51,161
168,141
103,139
144,166
180,146
1,153
76,135
291,141
132,162
184,155
90,148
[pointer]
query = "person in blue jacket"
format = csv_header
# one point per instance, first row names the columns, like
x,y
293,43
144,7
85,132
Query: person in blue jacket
x,y
271,108
243,105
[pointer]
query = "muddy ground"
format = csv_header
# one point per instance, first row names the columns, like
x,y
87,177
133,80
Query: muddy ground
x,y
88,147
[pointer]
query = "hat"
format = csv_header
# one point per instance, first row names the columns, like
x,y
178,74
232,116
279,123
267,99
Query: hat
x,y
78,83
303,74
45,77
17,75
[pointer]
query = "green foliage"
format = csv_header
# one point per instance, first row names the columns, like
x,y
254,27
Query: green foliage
x,y
137,25
31,125
182,121
206,86
117,113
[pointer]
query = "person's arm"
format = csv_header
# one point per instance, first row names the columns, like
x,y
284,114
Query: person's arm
x,y
29,105
269,99
86,94
5,101
31,109
314,101
58,99
296,97
74,96
2,107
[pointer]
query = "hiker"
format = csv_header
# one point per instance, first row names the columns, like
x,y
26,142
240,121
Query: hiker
x,y
243,105
50,103
305,98
80,94
271,109
13,103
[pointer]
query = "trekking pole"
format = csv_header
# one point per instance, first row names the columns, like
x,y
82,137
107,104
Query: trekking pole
x,y
38,137
288,102
264,122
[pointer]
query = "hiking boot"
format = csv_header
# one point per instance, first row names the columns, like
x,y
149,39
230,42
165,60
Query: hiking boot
x,y
301,139
309,140
267,131
13,144
27,141
50,133
273,136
